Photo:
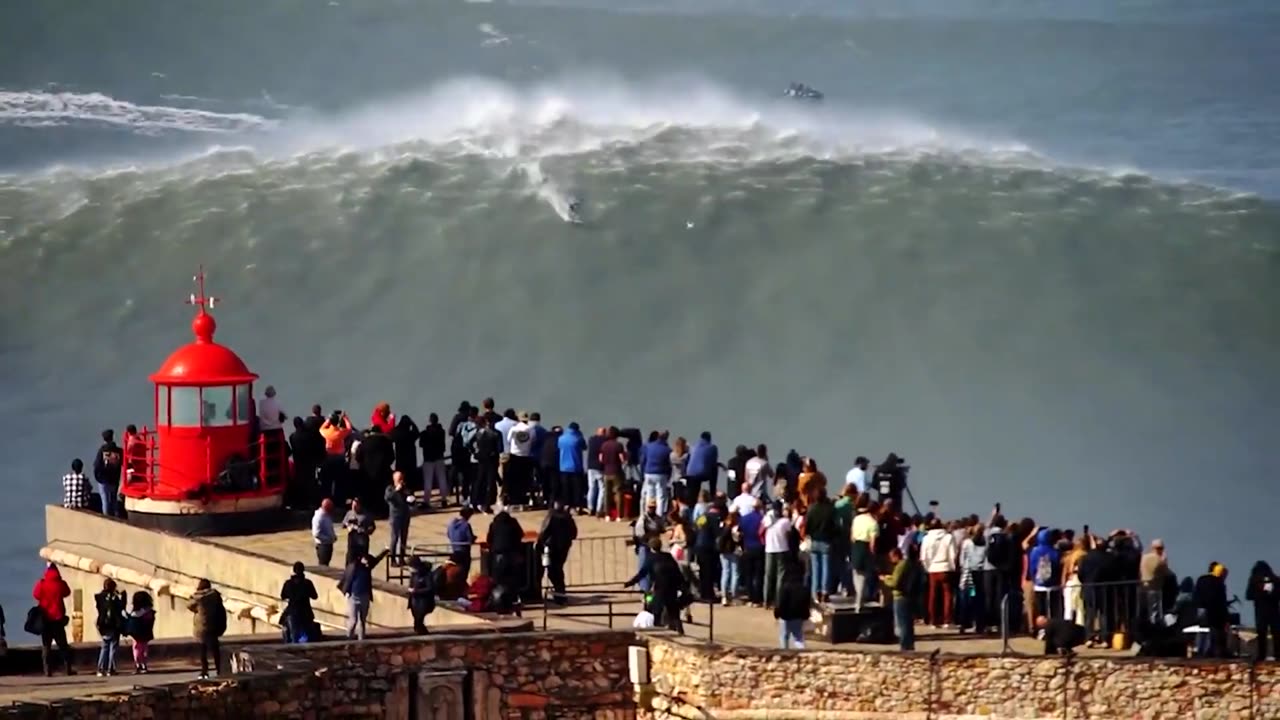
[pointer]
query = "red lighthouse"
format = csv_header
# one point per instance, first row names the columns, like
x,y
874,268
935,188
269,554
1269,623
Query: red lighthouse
x,y
205,469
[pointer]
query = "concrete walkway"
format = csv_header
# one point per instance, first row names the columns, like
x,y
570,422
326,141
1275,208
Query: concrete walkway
x,y
598,565
34,688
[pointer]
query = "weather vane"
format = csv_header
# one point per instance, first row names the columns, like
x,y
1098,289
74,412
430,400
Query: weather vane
x,y
201,300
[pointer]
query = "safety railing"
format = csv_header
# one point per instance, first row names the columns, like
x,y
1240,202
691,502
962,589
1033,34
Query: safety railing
x,y
600,561
434,553
619,608
1106,610
593,562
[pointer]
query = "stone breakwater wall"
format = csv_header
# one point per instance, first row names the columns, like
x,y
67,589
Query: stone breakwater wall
x,y
693,682
585,676
526,676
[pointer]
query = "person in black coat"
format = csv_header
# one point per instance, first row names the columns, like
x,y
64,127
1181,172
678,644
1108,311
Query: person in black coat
x,y
668,588
1264,592
792,608
1097,568
434,470
555,538
297,593
1061,637
422,593
404,438
506,554
549,468
307,446
376,455
1210,596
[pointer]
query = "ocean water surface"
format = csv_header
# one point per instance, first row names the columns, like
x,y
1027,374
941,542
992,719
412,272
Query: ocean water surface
x,y
1034,249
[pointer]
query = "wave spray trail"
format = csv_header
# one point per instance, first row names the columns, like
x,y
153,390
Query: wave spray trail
x,y
52,109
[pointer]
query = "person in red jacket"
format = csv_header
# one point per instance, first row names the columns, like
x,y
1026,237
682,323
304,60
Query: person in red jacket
x,y
50,593
382,418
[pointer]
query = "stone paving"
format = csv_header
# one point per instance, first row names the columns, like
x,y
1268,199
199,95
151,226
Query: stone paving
x,y
601,561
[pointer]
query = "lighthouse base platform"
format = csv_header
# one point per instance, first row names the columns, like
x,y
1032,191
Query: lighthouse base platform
x,y
89,548
238,516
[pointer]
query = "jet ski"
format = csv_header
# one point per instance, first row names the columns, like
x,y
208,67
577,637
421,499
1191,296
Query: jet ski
x,y
800,91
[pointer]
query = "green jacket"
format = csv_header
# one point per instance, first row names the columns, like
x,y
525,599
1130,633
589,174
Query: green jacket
x,y
900,578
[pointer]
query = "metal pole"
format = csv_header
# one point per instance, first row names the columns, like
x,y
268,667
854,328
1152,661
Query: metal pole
x,y
1004,624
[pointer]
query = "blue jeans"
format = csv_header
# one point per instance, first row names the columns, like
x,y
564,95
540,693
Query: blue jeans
x,y
819,566
110,493
791,634
728,575
642,554
107,655
839,571
400,539
658,487
905,623
595,492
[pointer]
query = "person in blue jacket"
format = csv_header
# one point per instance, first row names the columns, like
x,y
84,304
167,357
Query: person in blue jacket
x,y
655,464
704,465
573,483
1044,571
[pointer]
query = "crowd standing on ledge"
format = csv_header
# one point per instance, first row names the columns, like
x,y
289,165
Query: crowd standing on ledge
x,y
772,538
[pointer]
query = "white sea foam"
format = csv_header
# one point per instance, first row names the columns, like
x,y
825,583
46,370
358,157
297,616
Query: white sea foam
x,y
581,114
41,109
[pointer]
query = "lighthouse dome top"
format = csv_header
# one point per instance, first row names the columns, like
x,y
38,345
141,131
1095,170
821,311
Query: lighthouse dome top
x,y
203,362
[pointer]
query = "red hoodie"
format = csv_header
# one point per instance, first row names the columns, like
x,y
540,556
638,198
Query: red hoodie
x,y
49,592
384,424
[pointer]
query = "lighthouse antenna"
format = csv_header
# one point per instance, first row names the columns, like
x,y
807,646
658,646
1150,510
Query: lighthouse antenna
x,y
199,299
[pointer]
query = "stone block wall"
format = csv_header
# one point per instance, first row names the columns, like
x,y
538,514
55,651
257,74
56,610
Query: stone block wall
x,y
524,676
705,682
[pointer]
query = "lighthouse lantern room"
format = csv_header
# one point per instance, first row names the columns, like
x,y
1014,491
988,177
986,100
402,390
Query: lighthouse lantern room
x,y
205,468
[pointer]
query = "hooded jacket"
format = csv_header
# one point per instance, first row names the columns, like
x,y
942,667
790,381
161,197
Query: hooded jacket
x,y
1264,591
49,593
210,616
938,552
558,532
422,591
404,438
1044,549
298,592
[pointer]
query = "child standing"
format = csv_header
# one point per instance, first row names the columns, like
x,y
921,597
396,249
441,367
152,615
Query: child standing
x,y
110,623
140,626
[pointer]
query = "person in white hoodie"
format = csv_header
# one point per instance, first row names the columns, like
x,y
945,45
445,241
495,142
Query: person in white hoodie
x,y
519,473
939,556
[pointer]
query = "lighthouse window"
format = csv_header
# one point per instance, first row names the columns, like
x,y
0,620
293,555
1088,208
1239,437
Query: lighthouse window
x,y
217,409
244,404
184,406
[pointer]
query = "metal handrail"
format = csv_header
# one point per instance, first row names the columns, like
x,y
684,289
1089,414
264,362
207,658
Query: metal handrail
x,y
611,602
1129,605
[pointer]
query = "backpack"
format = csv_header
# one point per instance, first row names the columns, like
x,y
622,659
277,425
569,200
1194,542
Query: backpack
x,y
423,589
1044,570
217,614
999,550
465,435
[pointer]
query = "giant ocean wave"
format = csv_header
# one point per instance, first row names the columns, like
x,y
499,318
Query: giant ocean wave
x,y
657,155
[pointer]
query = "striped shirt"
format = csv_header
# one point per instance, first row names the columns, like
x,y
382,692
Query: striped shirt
x,y
75,491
